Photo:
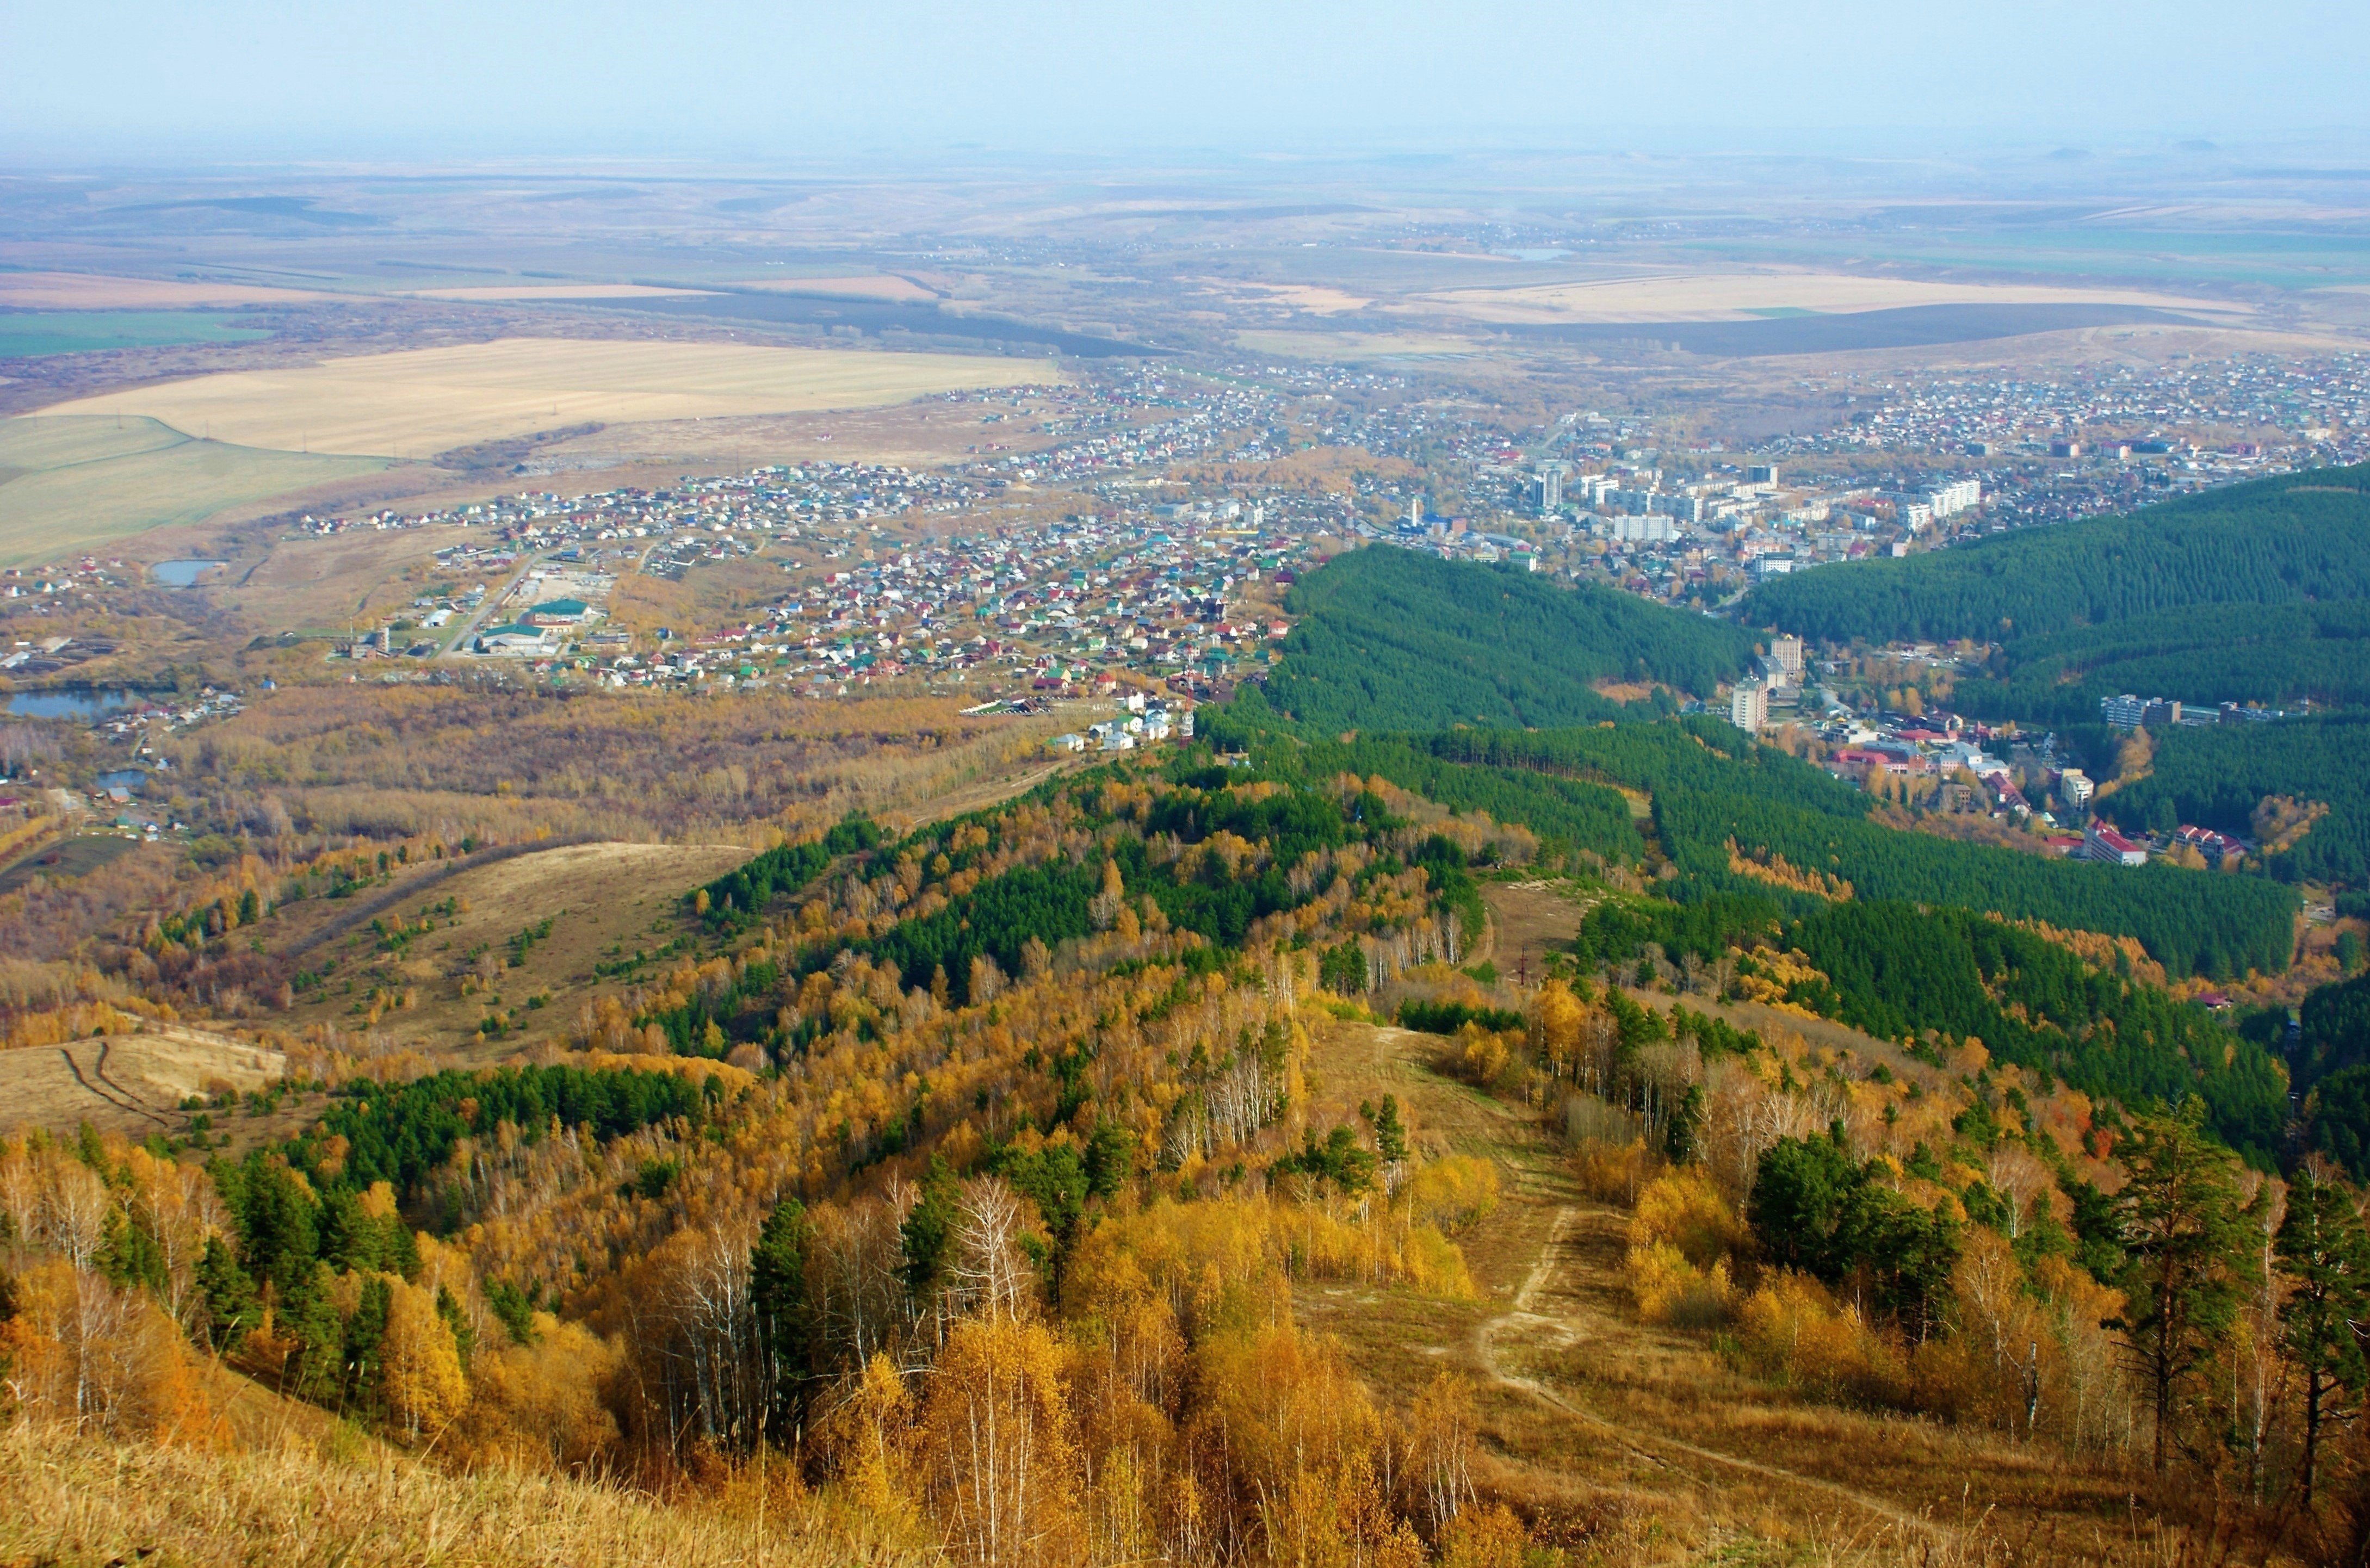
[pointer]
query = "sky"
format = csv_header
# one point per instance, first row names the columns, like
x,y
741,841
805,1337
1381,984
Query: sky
x,y
161,80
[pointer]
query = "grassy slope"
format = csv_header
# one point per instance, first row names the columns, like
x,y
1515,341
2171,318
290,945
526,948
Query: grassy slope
x,y
87,482
343,1500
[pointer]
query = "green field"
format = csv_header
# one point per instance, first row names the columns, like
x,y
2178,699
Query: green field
x,y
71,484
26,333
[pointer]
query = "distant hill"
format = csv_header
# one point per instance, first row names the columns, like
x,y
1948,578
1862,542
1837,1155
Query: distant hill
x,y
1389,639
2299,537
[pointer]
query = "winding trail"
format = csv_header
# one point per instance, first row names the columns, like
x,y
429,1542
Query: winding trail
x,y
1523,1319
114,1093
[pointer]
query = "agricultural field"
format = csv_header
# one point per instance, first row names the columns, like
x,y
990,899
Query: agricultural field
x,y
73,483
499,292
23,335
97,291
423,401
876,287
1740,296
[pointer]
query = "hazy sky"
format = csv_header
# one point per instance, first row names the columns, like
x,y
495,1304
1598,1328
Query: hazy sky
x,y
154,80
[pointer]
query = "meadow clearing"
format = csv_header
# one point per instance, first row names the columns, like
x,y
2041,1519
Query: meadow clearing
x,y
75,483
419,402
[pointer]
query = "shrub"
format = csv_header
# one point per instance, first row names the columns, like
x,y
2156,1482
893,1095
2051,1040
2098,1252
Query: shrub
x,y
1791,1329
1670,1290
1683,1208
1453,1192
1613,1172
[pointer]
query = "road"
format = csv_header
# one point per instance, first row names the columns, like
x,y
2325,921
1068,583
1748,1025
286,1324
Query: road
x,y
494,599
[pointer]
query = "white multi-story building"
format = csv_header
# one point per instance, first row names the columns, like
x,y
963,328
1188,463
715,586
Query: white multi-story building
x,y
1785,655
1748,706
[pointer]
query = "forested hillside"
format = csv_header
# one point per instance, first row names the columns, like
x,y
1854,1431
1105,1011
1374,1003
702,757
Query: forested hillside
x,y
1733,816
2218,776
1002,1121
2271,654
1390,639
1902,971
2287,539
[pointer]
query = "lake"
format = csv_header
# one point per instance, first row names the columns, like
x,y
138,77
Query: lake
x,y
71,704
183,574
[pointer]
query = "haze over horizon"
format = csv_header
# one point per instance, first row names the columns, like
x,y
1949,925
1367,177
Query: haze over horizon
x,y
733,80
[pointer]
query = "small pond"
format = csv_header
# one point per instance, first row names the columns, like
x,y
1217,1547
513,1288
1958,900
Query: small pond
x,y
70,705
183,574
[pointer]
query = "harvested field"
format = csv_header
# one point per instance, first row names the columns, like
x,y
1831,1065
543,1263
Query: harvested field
x,y
89,480
1745,296
130,1084
87,291
430,399
1353,347
1311,298
500,292
877,286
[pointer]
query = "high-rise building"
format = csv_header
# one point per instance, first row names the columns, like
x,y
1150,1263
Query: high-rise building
x,y
1415,512
1549,486
2124,712
1761,474
1748,706
1786,654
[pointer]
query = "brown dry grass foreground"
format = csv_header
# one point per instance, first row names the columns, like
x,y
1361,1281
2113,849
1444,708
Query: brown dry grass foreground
x,y
1644,1441
352,1503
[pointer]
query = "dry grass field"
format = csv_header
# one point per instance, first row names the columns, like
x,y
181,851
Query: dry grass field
x,y
321,584
85,290
1737,296
301,1494
423,401
598,898
83,482
127,1083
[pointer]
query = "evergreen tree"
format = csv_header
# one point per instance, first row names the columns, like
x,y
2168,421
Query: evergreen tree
x,y
2325,1255
1390,1133
2187,1236
777,1287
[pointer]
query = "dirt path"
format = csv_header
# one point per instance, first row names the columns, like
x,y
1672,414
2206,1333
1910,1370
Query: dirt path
x,y
1563,1329
1582,1398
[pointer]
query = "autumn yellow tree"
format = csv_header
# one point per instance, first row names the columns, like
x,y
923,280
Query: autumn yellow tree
x,y
998,1455
421,1364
